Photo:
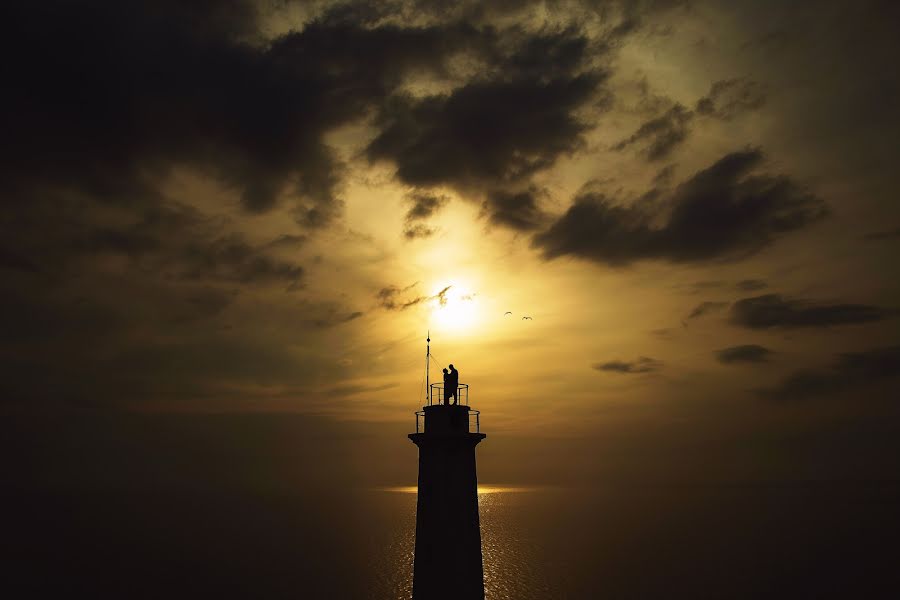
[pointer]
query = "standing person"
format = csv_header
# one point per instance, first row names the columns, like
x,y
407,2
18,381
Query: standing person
x,y
453,380
446,389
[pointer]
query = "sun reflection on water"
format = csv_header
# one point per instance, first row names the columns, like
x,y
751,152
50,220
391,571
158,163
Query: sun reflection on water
x,y
512,570
482,489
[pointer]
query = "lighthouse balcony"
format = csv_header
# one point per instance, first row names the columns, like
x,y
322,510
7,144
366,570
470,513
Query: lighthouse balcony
x,y
438,394
439,417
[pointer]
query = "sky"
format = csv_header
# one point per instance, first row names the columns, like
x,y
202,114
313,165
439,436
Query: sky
x,y
245,211
657,238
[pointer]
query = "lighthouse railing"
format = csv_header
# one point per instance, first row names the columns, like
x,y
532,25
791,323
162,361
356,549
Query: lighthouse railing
x,y
437,394
474,417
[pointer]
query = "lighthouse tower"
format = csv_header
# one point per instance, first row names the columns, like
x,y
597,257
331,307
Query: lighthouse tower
x,y
448,536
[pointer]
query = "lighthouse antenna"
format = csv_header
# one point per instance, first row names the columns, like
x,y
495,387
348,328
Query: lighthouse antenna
x,y
428,368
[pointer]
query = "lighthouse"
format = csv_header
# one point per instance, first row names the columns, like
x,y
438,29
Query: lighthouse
x,y
448,561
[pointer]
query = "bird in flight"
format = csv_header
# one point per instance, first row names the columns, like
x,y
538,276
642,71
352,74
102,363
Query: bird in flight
x,y
509,312
528,318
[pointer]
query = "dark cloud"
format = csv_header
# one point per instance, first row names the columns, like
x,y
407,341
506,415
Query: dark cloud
x,y
875,236
773,310
10,259
703,286
230,258
502,126
288,241
418,231
109,96
643,364
851,371
751,353
441,296
133,242
177,242
201,365
395,298
728,98
706,308
516,210
166,343
423,206
333,316
390,298
660,135
486,132
209,301
32,319
750,285
664,176
723,212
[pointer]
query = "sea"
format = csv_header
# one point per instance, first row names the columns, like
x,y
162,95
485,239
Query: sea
x,y
237,507
616,542
759,541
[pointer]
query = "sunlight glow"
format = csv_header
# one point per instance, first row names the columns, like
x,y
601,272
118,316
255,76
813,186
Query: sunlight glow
x,y
454,306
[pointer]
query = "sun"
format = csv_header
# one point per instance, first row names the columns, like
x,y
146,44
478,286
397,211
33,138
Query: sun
x,y
454,307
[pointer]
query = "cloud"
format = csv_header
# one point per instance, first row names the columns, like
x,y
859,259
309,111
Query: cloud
x,y
706,308
168,343
486,132
516,210
876,236
326,316
851,370
660,135
500,127
750,285
209,301
392,297
423,207
664,176
703,286
10,259
642,364
772,310
133,242
751,353
338,319
230,258
178,242
729,98
723,212
110,96
418,231
288,241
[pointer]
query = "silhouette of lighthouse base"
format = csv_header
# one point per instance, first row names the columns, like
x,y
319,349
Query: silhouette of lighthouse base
x,y
448,562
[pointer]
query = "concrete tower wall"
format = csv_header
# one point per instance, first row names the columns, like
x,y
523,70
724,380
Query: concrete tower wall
x,y
448,560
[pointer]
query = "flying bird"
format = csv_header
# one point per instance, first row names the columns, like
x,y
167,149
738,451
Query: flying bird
x,y
509,312
529,318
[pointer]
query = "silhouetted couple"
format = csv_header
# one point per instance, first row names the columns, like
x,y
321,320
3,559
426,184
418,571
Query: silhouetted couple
x,y
451,385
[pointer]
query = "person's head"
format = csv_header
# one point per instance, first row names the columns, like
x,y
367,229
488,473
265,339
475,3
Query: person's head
x,y
452,368
445,371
